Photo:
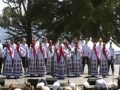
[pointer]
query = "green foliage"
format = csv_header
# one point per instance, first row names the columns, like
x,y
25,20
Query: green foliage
x,y
95,18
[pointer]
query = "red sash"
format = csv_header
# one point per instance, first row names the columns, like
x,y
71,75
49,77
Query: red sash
x,y
57,55
8,47
34,50
42,51
66,44
50,44
96,53
61,54
104,52
18,48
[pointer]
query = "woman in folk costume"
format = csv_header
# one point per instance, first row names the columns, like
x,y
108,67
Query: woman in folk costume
x,y
8,64
62,63
94,57
17,66
68,57
32,69
103,61
41,61
55,62
50,53
77,60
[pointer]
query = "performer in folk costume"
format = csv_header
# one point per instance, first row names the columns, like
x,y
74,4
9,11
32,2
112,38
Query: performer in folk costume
x,y
13,45
62,63
50,54
55,61
77,60
68,48
1,56
45,44
103,61
17,66
24,52
32,69
8,63
41,59
94,60
90,43
111,58
99,47
85,56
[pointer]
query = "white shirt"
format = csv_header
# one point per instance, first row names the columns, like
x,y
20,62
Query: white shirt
x,y
24,51
90,44
85,50
13,46
110,53
46,49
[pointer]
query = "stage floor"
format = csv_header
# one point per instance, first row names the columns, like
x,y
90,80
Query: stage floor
x,y
77,80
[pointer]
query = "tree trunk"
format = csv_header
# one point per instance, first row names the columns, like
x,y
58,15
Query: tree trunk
x,y
29,35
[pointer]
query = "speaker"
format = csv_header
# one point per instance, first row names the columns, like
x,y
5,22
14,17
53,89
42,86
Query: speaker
x,y
2,81
50,81
92,80
33,82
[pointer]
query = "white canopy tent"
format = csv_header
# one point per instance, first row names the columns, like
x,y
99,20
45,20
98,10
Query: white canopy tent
x,y
114,46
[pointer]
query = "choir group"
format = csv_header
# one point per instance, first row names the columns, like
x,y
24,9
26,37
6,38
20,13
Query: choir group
x,y
58,59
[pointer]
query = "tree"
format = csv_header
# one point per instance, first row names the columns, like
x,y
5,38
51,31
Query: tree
x,y
17,18
87,18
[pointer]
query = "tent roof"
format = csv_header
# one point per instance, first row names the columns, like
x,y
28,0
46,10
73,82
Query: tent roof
x,y
115,47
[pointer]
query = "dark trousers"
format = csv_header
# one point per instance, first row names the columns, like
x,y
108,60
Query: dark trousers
x,y
111,63
45,61
98,63
24,62
1,61
85,60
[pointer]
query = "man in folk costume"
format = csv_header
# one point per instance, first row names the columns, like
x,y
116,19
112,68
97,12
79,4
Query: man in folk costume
x,y
99,43
1,56
85,56
99,47
77,60
94,60
90,43
45,44
68,48
103,61
24,52
9,56
41,68
111,58
32,69
50,54
17,66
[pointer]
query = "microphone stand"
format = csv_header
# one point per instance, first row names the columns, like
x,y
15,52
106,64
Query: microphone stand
x,y
67,71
